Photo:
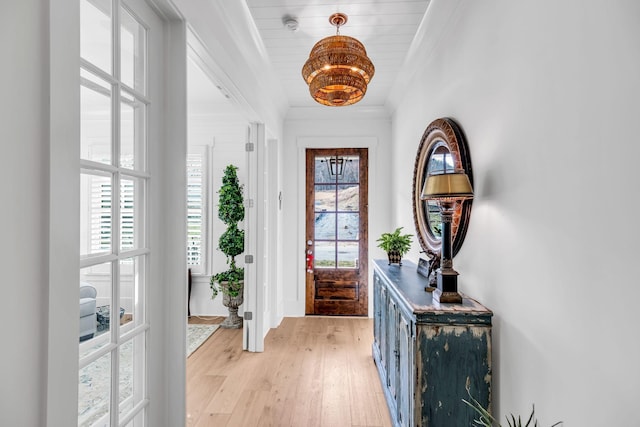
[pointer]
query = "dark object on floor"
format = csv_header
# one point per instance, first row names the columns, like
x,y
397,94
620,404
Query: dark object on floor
x,y
189,294
102,316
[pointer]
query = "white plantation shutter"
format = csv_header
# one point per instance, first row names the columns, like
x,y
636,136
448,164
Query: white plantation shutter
x,y
196,208
101,216
101,233
127,203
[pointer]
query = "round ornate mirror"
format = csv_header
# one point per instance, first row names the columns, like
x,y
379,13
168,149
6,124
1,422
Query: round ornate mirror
x,y
442,149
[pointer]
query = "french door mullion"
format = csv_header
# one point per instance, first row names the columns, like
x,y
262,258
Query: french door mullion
x,y
117,220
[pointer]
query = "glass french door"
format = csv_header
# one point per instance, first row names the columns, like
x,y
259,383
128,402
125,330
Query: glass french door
x,y
114,182
336,232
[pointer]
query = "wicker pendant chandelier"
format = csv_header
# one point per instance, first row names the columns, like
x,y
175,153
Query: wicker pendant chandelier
x,y
338,69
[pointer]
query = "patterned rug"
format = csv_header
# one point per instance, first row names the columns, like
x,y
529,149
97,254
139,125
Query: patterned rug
x,y
197,335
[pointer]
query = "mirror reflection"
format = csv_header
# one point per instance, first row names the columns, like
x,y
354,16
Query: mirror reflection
x,y
442,149
440,161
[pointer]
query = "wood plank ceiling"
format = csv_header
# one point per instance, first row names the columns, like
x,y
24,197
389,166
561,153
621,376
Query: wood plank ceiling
x,y
385,27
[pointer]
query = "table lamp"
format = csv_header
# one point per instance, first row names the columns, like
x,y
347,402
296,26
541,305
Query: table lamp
x,y
447,189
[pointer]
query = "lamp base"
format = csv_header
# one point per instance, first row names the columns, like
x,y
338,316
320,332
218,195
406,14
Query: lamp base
x,y
446,297
447,290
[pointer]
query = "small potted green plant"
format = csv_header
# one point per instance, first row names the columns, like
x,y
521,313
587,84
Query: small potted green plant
x,y
395,244
231,281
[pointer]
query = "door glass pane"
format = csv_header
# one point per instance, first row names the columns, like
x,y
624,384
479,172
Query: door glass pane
x,y
132,132
132,54
348,197
130,210
94,392
350,171
95,214
95,33
325,198
325,226
95,307
348,254
131,373
336,207
131,279
348,226
95,119
325,256
323,172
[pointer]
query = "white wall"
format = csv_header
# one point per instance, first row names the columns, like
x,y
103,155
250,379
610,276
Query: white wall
x,y
547,94
24,228
334,127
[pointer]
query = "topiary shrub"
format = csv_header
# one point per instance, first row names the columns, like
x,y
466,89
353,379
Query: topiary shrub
x,y
231,242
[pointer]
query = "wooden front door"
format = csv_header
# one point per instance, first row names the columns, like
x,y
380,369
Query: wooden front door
x,y
336,232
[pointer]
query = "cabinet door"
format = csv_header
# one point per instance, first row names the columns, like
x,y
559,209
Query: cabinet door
x,y
392,348
384,326
377,308
404,396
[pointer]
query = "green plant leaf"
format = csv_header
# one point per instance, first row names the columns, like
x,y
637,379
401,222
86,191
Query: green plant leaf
x,y
230,198
231,242
231,279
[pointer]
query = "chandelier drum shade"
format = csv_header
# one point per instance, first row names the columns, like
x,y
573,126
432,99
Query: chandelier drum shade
x,y
338,69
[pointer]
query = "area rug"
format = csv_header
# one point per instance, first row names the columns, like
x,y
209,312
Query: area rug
x,y
197,335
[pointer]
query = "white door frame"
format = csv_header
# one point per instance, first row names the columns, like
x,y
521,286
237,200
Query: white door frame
x,y
273,253
304,142
254,298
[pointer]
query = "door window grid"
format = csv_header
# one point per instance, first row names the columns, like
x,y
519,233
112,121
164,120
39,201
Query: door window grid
x,y
336,209
113,361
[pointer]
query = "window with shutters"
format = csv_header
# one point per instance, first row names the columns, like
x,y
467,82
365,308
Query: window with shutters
x,y
197,202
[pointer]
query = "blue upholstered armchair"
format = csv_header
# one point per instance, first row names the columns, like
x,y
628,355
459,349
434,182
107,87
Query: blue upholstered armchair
x,y
87,311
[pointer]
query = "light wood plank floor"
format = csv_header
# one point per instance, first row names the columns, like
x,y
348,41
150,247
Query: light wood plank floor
x,y
315,371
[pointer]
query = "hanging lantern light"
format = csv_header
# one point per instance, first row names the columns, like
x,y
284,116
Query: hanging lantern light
x,y
338,69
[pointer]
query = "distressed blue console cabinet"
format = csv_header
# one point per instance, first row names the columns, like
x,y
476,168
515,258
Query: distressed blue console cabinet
x,y
425,351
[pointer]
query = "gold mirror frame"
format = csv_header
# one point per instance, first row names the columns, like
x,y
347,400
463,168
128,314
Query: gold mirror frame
x,y
441,132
